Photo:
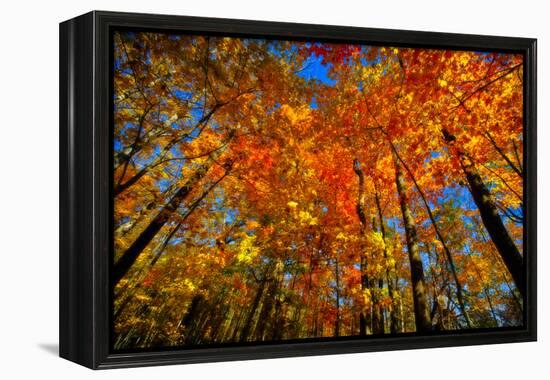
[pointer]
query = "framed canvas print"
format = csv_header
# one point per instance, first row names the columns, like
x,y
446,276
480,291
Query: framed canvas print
x,y
240,189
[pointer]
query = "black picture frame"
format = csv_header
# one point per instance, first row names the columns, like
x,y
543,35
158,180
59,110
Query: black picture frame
x,y
86,202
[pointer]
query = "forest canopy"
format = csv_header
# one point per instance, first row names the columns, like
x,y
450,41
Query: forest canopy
x,y
269,190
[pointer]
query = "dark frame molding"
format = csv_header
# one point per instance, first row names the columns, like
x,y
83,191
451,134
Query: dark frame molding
x,y
85,187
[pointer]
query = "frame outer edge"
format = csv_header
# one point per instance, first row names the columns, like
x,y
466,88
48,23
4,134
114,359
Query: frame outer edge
x,y
531,179
76,182
102,194
85,175
65,322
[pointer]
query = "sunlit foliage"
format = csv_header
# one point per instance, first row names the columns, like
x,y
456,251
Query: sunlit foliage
x,y
272,190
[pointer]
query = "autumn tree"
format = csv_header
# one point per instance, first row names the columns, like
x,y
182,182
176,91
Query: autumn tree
x,y
271,190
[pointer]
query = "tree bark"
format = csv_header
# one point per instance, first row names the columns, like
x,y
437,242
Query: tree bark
x,y
393,316
337,276
129,257
245,332
439,235
494,225
364,320
235,328
421,309
377,313
191,316
376,285
266,310
490,217
398,160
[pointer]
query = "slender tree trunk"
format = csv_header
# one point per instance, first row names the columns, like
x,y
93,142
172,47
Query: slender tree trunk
x,y
440,237
128,153
121,187
377,313
130,182
490,217
129,257
486,293
491,308
218,314
227,323
494,225
191,316
402,314
245,332
376,285
452,266
236,327
436,292
393,316
503,272
337,275
315,318
266,309
160,159
124,228
279,320
421,309
364,321
124,157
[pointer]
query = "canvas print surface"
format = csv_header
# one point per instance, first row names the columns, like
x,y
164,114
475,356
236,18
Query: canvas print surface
x,y
270,191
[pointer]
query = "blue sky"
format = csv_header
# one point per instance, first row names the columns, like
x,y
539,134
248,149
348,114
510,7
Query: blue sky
x,y
315,69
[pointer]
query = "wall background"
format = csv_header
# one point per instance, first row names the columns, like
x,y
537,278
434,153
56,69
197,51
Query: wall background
x,y
29,187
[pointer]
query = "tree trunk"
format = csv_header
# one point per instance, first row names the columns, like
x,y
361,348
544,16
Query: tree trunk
x,y
245,332
160,159
191,316
440,237
421,309
376,285
129,257
490,217
235,331
377,313
393,316
279,320
266,310
494,225
337,276
364,320
121,187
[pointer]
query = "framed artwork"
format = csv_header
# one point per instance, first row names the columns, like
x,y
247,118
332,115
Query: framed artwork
x,y
240,189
